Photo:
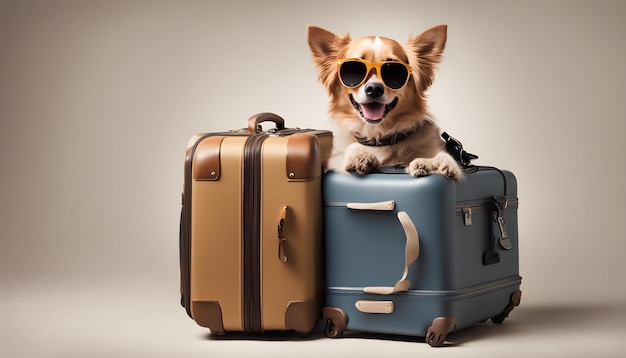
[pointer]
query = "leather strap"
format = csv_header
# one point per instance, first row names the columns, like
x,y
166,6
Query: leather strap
x,y
388,140
411,252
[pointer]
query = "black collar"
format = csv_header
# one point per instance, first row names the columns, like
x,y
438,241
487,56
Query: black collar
x,y
388,140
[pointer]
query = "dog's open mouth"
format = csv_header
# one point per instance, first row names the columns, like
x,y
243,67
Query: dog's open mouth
x,y
373,112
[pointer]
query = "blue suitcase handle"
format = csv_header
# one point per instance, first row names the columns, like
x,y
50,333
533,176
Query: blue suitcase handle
x,y
411,250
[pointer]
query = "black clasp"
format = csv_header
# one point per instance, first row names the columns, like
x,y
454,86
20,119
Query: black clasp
x,y
455,149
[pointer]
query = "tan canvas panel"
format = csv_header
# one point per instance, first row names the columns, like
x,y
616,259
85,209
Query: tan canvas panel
x,y
216,235
299,277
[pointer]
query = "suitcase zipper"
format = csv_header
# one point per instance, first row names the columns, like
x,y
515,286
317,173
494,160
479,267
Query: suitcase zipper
x,y
496,205
468,208
251,206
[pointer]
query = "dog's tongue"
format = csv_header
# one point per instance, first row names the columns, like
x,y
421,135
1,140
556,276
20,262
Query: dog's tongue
x,y
373,111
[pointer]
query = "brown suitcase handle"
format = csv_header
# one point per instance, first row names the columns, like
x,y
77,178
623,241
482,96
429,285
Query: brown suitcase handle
x,y
253,122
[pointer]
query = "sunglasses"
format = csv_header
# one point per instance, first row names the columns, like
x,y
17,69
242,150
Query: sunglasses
x,y
354,71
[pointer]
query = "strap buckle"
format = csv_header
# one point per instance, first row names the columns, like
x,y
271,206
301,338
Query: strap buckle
x,y
282,255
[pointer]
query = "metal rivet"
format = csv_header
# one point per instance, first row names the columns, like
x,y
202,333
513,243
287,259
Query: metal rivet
x,y
212,174
291,175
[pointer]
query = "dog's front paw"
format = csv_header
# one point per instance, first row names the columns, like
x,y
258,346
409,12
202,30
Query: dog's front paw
x,y
421,167
442,164
449,168
361,161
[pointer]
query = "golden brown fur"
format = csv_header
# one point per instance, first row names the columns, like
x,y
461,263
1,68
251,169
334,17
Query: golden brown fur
x,y
424,151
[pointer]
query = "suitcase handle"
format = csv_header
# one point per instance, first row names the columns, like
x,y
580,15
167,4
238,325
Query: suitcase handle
x,y
411,250
254,121
382,205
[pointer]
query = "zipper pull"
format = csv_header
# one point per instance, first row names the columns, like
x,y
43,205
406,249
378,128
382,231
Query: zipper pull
x,y
467,215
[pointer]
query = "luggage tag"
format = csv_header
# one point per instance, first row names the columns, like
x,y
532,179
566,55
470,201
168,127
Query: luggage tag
x,y
503,238
498,232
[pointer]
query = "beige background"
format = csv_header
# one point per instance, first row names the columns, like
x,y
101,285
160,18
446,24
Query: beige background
x,y
98,99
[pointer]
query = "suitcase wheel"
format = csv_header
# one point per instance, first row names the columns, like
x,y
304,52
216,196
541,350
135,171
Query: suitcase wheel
x,y
336,321
438,331
513,302
331,330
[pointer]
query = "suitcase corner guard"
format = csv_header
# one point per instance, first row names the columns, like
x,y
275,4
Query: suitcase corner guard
x,y
301,316
302,158
208,313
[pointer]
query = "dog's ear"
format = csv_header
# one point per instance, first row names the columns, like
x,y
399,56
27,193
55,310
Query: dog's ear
x,y
321,41
424,53
327,48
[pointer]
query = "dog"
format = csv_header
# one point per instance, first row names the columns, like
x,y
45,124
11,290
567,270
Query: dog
x,y
377,93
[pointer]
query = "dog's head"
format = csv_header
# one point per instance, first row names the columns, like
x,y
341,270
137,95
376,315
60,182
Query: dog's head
x,y
376,81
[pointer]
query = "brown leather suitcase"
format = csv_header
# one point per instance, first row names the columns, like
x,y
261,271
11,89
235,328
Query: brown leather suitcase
x,y
251,228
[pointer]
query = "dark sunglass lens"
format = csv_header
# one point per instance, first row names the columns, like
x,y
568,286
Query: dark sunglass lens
x,y
394,75
352,73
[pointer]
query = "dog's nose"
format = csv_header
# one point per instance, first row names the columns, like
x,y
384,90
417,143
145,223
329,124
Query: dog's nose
x,y
374,89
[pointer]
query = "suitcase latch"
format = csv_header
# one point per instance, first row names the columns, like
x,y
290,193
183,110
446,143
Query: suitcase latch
x,y
467,216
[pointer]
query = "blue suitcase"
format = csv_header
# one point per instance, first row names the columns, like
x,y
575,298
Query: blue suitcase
x,y
419,256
